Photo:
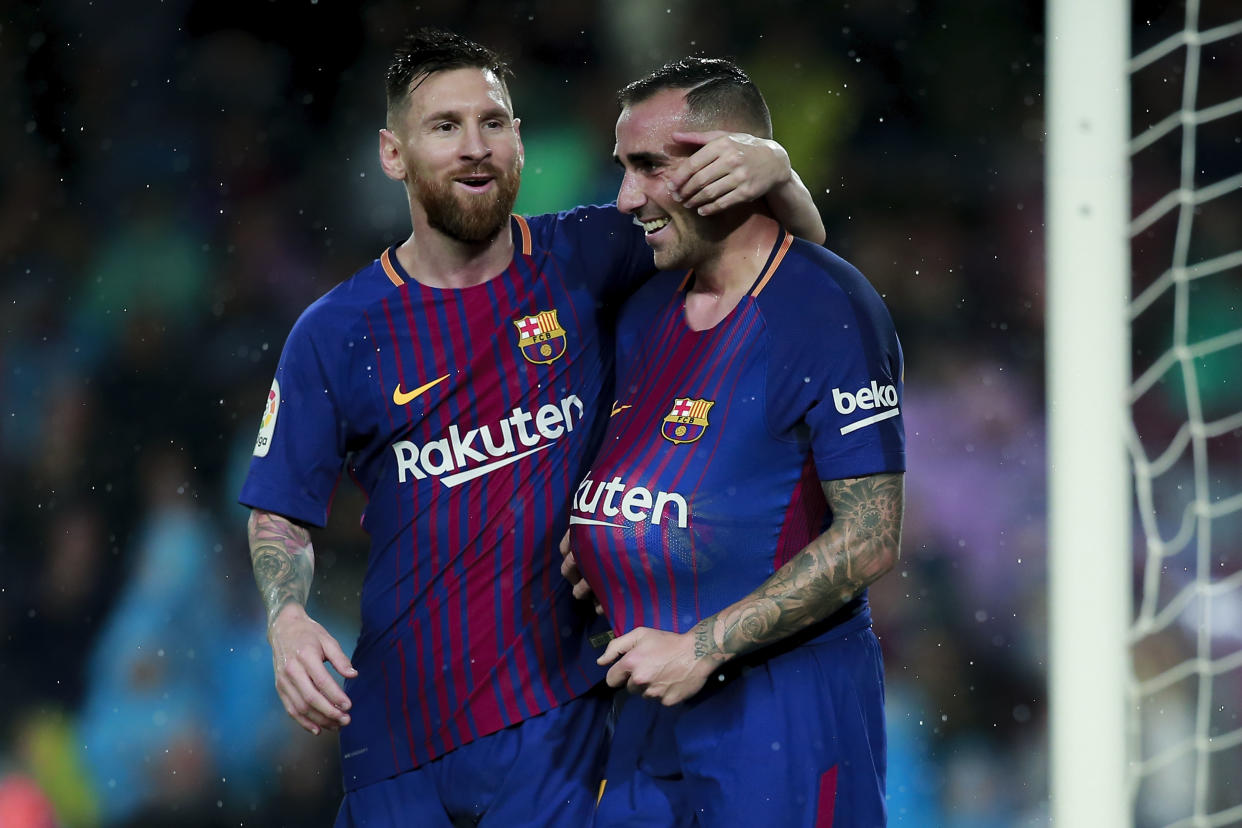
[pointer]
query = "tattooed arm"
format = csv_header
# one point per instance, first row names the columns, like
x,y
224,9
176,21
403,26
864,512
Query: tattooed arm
x,y
284,563
862,544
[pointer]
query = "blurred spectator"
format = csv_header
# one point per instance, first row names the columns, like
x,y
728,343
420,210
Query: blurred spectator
x,y
151,701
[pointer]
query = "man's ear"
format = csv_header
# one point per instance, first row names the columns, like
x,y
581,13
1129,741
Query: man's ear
x,y
390,155
517,130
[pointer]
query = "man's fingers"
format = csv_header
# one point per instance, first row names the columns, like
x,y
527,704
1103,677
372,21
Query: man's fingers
x,y
332,691
321,721
303,722
569,569
719,183
582,590
316,687
571,573
698,138
693,174
710,206
723,191
299,709
670,699
340,661
564,544
619,646
678,176
617,676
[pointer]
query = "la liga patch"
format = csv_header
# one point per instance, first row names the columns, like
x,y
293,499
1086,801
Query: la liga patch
x,y
266,428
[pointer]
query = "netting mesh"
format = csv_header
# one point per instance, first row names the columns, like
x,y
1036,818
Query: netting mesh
x,y
1186,401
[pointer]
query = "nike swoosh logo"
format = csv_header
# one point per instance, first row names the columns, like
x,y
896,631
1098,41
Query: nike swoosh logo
x,y
617,409
406,397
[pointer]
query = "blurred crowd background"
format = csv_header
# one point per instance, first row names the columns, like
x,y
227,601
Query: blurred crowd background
x,y
179,179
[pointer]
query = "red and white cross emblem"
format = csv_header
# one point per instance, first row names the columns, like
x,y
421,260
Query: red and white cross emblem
x,y
529,327
682,408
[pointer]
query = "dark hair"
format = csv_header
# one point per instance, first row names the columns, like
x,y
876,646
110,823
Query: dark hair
x,y
720,93
429,50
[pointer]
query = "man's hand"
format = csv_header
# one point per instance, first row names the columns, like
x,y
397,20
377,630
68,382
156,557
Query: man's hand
x,y
300,646
729,168
658,664
571,573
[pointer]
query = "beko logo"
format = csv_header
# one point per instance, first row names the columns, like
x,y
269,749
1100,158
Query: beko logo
x,y
865,399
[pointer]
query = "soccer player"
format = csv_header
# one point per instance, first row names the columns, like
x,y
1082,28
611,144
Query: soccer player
x,y
748,490
460,378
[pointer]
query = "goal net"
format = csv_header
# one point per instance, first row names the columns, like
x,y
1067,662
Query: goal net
x,y
1185,430
1145,412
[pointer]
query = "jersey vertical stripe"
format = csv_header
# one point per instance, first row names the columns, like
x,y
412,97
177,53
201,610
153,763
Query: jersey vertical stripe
x,y
446,610
502,297
561,476
460,629
739,343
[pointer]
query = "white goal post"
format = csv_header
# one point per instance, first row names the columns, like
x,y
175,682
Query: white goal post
x,y
1144,391
1088,372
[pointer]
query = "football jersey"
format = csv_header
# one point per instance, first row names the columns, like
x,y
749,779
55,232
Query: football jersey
x,y
708,479
467,416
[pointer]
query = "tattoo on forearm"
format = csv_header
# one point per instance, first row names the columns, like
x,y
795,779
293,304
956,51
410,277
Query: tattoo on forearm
x,y
861,545
283,561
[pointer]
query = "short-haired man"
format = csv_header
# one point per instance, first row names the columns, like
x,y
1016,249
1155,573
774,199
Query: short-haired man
x,y
748,489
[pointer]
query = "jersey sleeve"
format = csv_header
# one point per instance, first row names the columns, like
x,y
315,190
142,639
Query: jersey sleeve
x,y
301,446
836,374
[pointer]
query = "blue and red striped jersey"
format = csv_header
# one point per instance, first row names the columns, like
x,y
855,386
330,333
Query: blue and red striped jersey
x,y
708,479
467,416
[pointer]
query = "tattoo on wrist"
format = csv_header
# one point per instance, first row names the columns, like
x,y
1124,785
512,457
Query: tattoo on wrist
x,y
280,553
704,644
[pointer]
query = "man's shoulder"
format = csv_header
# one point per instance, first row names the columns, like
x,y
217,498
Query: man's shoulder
x,y
585,221
347,302
813,281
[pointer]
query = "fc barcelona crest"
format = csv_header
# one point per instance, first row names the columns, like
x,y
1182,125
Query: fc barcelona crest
x,y
541,339
687,421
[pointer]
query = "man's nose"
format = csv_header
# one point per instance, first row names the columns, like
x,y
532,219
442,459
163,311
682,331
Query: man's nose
x,y
630,197
474,145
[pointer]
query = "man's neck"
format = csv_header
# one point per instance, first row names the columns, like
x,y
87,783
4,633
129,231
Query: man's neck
x,y
438,261
721,281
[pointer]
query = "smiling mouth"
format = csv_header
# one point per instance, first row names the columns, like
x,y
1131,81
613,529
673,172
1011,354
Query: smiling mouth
x,y
654,225
475,182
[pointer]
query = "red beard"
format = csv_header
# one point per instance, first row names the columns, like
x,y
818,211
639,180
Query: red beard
x,y
464,216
